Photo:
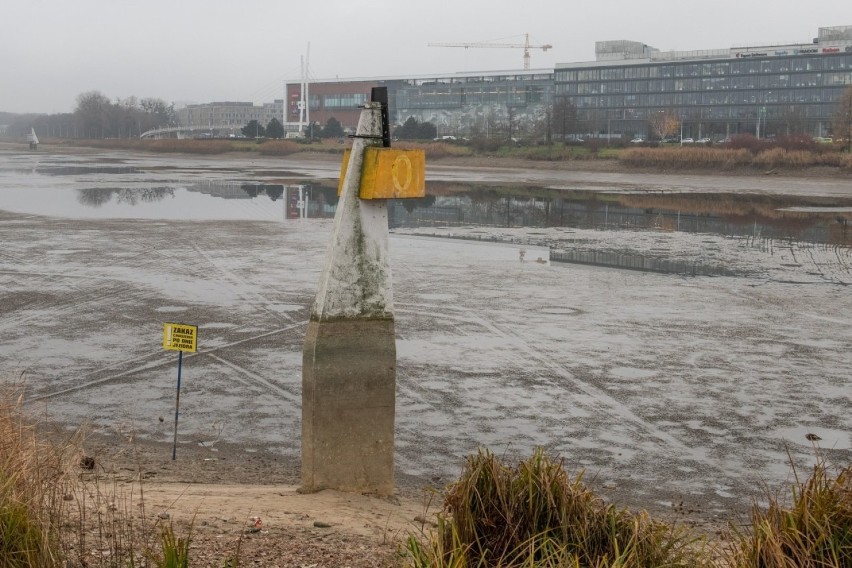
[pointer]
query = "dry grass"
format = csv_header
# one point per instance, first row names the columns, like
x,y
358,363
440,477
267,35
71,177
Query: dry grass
x,y
535,514
435,150
53,513
33,483
814,531
691,158
686,158
189,146
280,148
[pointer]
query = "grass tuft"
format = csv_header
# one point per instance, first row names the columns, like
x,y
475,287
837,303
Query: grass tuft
x,y
535,514
54,515
174,549
815,531
33,482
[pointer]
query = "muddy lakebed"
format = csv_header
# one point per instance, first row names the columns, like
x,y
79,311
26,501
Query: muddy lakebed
x,y
679,338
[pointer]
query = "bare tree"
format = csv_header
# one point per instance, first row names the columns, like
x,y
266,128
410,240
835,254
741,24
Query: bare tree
x,y
93,113
564,117
664,123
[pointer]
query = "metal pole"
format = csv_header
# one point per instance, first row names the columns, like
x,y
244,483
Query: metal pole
x,y
177,404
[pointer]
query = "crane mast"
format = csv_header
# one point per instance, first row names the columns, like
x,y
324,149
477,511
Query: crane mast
x,y
526,46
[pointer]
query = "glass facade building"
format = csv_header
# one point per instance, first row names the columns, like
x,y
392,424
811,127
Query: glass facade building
x,y
464,103
765,90
770,90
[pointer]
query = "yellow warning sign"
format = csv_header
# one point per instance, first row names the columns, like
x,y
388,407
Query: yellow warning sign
x,y
180,337
388,173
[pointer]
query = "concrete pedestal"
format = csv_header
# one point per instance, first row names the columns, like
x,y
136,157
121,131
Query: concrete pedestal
x,y
348,398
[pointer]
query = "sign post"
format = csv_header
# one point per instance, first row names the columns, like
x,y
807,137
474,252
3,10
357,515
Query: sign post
x,y
179,337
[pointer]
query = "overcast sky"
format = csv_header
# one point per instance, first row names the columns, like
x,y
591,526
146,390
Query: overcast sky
x,y
187,51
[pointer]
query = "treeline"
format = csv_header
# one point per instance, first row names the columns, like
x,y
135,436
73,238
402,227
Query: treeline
x,y
96,116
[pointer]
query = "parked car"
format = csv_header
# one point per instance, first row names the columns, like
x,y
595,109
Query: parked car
x,y
687,141
638,140
703,141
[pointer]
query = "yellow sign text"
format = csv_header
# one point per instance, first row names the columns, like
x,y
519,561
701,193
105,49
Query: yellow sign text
x,y
180,337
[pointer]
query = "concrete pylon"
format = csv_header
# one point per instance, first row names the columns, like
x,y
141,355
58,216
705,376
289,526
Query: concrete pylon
x,y
349,357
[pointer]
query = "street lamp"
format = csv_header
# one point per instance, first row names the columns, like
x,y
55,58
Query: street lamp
x,y
760,112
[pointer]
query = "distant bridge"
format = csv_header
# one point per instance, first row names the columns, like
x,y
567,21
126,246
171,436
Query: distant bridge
x,y
182,131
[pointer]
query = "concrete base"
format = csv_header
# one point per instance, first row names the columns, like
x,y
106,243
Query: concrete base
x,y
348,405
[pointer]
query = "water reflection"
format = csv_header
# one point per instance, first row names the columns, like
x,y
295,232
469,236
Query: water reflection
x,y
51,170
99,196
814,219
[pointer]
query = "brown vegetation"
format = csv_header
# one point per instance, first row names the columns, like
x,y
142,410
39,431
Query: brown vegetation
x,y
814,531
279,148
726,159
535,514
435,150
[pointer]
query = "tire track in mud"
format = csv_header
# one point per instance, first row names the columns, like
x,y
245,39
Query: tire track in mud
x,y
148,252
255,300
254,380
615,408
81,301
156,364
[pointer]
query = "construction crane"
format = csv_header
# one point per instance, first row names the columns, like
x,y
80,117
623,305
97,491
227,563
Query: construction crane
x,y
525,46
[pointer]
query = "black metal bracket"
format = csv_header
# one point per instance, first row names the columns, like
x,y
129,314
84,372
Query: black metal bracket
x,y
380,95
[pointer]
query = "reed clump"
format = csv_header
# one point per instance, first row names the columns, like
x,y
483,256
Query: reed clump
x,y
535,514
57,510
686,158
813,531
33,483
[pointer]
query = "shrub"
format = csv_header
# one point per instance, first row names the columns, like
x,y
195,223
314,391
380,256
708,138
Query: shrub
x,y
534,514
482,144
747,142
797,142
814,532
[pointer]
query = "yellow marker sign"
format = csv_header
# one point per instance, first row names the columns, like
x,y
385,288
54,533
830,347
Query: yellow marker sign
x,y
180,337
388,173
